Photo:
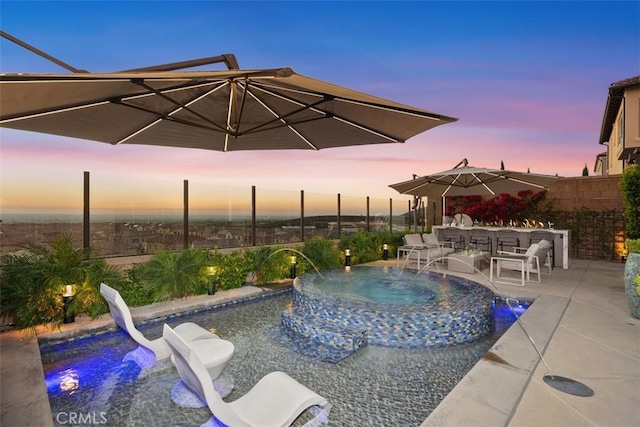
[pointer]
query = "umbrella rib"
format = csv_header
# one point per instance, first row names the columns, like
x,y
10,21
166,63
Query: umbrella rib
x,y
422,114
312,107
281,118
66,108
168,116
173,101
51,112
503,175
164,116
265,106
532,184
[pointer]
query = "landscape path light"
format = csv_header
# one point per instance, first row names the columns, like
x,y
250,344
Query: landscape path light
x,y
212,271
67,301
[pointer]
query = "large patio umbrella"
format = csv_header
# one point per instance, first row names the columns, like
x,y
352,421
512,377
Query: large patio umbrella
x,y
465,180
264,109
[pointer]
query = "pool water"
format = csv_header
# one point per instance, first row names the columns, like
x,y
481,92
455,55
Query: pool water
x,y
375,285
377,386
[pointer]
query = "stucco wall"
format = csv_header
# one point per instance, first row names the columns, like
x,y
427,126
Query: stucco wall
x,y
596,193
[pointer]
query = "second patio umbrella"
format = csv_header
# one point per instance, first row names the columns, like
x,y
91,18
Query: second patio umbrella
x,y
465,180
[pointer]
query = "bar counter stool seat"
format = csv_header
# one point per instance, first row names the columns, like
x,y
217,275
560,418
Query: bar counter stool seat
x,y
506,238
452,234
482,238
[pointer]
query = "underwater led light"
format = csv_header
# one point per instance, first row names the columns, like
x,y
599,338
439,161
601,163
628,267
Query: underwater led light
x,y
69,381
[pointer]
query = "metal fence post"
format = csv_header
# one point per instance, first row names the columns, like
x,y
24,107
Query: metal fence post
x,y
302,215
339,219
390,215
253,215
86,224
368,215
185,216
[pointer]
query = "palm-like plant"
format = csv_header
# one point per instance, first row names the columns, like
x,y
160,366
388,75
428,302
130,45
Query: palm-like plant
x,y
269,263
32,283
25,298
87,297
323,254
175,274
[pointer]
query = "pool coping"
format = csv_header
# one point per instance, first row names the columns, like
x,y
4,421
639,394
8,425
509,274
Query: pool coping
x,y
492,389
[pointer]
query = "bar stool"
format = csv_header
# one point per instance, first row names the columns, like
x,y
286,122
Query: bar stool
x,y
537,235
452,234
507,238
482,238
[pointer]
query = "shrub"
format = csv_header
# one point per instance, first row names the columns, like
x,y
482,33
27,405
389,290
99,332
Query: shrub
x,y
499,208
133,292
322,253
231,269
630,188
32,283
175,274
367,247
269,263
26,298
633,245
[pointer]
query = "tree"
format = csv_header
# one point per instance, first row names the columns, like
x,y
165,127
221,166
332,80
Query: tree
x,y
585,170
630,188
501,165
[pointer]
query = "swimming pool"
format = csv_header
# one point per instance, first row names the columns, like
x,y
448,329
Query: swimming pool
x,y
376,386
390,309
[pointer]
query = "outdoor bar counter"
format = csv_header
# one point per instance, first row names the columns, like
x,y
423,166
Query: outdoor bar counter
x,y
560,239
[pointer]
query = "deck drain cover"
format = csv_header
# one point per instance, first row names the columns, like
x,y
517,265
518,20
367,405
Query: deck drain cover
x,y
567,385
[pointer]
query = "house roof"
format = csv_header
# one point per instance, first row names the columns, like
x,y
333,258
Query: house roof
x,y
614,100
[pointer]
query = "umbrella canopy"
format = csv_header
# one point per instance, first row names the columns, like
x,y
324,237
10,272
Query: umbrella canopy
x,y
465,180
268,109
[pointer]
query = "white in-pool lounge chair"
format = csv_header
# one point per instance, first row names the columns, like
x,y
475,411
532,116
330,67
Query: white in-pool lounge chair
x,y
189,331
276,400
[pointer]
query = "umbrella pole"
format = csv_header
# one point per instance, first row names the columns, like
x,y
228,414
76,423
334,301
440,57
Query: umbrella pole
x,y
444,208
416,205
40,53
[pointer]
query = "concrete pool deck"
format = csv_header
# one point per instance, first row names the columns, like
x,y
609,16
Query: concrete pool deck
x,y
579,321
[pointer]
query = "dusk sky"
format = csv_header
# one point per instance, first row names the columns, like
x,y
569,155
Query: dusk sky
x,y
527,80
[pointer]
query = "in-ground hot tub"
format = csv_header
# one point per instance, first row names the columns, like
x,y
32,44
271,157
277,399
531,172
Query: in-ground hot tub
x,y
391,309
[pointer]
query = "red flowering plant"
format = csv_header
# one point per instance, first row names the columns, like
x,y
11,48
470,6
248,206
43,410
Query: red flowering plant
x,y
499,209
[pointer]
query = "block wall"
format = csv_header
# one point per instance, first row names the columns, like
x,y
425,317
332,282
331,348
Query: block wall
x,y
596,193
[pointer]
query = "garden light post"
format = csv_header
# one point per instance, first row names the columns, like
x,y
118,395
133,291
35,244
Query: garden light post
x,y
385,252
211,290
347,258
67,300
292,270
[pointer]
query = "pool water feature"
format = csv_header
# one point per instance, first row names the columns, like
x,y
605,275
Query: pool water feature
x,y
376,386
346,310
